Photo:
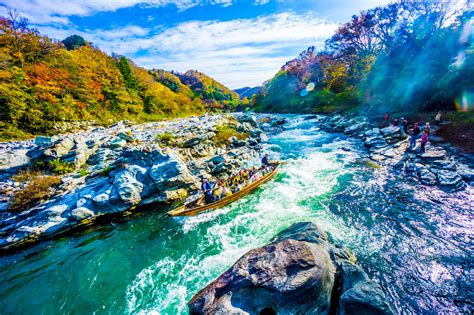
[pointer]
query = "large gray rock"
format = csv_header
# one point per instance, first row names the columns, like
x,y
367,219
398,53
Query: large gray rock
x,y
13,159
426,177
450,180
59,148
360,294
392,134
296,273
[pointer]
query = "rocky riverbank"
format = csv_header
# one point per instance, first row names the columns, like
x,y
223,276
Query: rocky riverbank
x,y
301,271
389,147
118,170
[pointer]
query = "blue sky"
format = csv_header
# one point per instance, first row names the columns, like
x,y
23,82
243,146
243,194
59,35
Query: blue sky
x,y
238,42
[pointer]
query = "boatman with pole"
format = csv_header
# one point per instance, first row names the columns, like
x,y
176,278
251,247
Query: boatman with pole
x,y
207,190
265,161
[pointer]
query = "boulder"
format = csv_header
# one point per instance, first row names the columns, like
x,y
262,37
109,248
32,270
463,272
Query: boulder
x,y
118,143
392,134
426,177
59,148
11,160
376,142
360,294
192,142
41,140
299,272
352,129
450,180
289,277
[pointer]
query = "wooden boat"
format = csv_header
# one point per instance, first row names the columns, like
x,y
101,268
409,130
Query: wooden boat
x,y
196,206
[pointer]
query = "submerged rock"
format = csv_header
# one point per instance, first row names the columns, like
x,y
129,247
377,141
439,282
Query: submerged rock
x,y
299,272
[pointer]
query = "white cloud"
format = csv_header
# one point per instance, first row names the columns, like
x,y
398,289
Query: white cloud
x,y
237,53
57,11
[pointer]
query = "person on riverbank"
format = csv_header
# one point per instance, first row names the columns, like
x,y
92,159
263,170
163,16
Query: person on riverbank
x,y
207,190
424,140
438,118
385,118
405,125
414,135
395,122
427,128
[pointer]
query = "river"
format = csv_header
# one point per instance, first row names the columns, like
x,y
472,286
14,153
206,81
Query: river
x,y
416,241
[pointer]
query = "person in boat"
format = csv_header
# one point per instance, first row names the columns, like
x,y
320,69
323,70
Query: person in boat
x,y
217,192
207,190
226,191
265,161
256,176
245,174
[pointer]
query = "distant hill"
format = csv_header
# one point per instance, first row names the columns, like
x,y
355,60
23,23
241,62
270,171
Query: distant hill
x,y
213,93
247,92
45,82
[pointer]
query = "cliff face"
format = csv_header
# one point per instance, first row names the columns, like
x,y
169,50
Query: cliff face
x,y
301,271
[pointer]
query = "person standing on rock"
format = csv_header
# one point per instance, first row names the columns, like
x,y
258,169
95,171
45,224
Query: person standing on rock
x,y
414,134
438,118
385,118
404,126
427,128
424,140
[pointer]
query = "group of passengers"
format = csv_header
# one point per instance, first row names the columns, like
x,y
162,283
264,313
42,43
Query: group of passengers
x,y
414,132
220,189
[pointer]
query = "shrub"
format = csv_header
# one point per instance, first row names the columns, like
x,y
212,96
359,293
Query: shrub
x,y
166,138
83,172
225,132
58,167
106,171
38,188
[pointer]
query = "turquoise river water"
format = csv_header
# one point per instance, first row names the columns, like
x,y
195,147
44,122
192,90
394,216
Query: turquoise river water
x,y
416,241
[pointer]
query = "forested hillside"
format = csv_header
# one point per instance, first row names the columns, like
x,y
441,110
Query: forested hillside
x,y
404,57
213,93
43,82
